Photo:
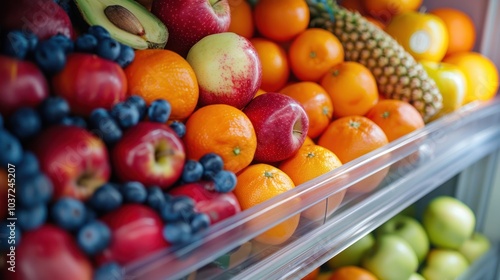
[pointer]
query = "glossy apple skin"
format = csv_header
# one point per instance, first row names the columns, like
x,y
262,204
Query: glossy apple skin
x,y
474,247
134,156
88,82
136,231
21,84
218,206
68,153
43,18
280,123
189,21
353,254
444,264
49,253
234,73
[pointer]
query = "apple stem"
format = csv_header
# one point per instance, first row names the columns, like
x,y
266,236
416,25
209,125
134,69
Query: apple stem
x,y
297,131
159,154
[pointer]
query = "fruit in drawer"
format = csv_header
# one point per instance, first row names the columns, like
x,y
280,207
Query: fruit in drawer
x,y
448,222
186,27
352,273
22,85
108,86
474,247
242,22
127,21
280,123
387,9
444,264
353,254
227,68
274,62
461,29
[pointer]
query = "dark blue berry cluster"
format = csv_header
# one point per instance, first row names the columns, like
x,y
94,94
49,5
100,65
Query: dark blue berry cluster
x,y
209,167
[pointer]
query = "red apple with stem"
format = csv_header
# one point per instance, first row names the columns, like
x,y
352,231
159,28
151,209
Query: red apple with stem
x,y
150,153
75,160
281,125
188,21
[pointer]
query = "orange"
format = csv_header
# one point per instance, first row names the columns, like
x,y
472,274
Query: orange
x,y
313,52
351,87
352,273
224,130
258,183
259,92
163,74
396,118
312,275
384,10
275,70
241,18
316,103
353,5
309,162
461,29
281,20
480,72
308,141
376,22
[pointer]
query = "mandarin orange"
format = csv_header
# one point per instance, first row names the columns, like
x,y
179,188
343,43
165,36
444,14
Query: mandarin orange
x,y
241,18
275,69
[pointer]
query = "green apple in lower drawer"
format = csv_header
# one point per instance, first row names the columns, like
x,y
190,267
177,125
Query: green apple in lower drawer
x,y
444,264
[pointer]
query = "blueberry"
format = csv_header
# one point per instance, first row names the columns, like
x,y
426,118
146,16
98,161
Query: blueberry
x,y
159,111
192,172
74,121
109,271
125,114
1,121
126,56
64,42
50,57
93,237
25,122
91,214
16,45
224,181
12,151
29,165
106,198
34,189
53,109
108,48
68,213
179,128
10,235
199,221
183,206
155,198
178,232
134,192
99,32
106,126
167,213
31,218
86,43
32,40
212,163
139,103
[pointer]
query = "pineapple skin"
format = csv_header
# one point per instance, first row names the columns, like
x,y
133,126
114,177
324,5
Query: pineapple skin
x,y
398,74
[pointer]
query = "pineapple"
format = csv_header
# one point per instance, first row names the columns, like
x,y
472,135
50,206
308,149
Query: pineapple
x,y
398,74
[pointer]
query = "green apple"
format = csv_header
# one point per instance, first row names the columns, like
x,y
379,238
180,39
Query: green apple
x,y
391,258
474,247
416,276
451,82
448,222
410,230
353,254
444,264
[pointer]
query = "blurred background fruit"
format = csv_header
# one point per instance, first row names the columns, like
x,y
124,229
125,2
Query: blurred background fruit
x,y
385,10
241,18
461,29
352,273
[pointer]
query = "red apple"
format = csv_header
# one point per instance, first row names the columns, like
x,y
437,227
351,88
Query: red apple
x,y
218,206
150,153
21,84
50,253
4,193
227,68
43,17
136,231
188,21
75,160
88,82
281,125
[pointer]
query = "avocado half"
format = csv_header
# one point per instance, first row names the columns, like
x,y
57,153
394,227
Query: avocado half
x,y
127,21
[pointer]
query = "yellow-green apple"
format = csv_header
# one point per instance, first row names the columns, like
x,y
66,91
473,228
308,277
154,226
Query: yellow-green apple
x,y
448,222
353,254
75,160
416,276
474,247
150,153
188,21
444,264
451,82
391,258
280,123
410,230
227,68
136,231
49,252
108,84
22,84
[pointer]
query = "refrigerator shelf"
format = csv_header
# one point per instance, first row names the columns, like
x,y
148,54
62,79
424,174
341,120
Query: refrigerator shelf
x,y
416,164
